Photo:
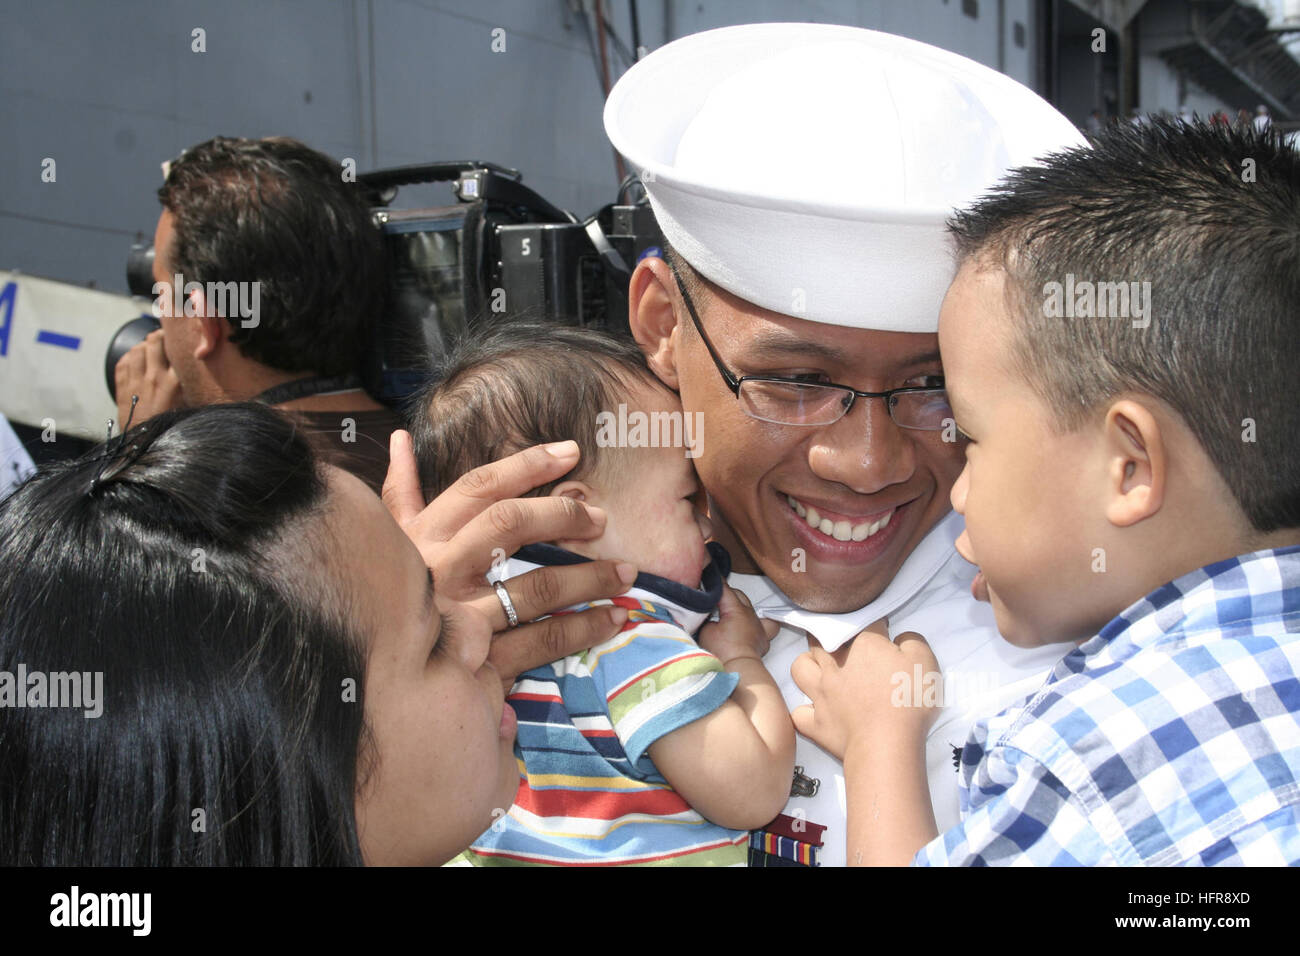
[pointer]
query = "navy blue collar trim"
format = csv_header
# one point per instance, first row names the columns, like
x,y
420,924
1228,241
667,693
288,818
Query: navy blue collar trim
x,y
702,599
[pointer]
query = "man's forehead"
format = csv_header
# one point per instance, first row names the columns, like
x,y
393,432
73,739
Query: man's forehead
x,y
787,338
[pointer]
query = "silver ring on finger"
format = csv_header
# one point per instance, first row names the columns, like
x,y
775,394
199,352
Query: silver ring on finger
x,y
504,597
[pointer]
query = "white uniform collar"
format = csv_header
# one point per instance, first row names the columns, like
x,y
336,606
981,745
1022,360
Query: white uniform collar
x,y
834,630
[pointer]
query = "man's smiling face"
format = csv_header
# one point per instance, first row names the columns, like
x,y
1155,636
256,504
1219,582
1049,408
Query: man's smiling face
x,y
865,477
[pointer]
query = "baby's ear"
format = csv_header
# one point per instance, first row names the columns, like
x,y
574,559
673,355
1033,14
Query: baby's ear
x,y
578,491
1137,463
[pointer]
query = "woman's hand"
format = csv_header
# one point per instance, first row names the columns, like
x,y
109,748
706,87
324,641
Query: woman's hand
x,y
480,520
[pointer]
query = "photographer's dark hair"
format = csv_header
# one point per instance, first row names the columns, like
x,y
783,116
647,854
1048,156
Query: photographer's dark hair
x,y
188,576
1210,216
513,383
276,212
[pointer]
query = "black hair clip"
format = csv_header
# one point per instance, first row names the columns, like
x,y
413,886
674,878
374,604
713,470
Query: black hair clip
x,y
111,451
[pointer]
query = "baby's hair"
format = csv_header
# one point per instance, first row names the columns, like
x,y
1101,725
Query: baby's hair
x,y
1210,217
512,383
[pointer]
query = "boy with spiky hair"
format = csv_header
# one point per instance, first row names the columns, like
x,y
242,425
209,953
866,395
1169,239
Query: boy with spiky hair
x,y
1131,492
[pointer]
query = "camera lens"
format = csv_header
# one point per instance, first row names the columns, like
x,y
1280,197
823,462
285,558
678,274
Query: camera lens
x,y
139,269
127,338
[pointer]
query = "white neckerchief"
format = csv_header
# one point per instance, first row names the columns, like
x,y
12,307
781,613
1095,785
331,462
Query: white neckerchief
x,y
834,630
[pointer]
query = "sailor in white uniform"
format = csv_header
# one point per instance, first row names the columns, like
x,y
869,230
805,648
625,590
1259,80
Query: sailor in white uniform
x,y
802,174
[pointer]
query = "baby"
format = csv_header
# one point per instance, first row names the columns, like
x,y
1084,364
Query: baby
x,y
648,748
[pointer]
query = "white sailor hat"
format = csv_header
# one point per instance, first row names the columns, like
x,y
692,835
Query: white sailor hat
x,y
809,168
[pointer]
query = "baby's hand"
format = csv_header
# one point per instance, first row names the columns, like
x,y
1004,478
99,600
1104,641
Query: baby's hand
x,y
738,631
866,690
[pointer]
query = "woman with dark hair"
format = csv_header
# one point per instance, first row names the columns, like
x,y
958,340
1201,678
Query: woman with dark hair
x,y
278,683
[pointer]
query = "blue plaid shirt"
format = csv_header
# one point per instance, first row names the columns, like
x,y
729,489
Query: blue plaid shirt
x,y
1172,737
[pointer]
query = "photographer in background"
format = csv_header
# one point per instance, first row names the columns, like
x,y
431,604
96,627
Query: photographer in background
x,y
270,276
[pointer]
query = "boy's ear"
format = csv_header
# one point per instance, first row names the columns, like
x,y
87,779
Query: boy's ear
x,y
652,317
1137,466
577,490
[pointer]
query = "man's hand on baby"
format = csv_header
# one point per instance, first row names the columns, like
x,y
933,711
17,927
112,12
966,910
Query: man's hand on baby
x,y
738,632
867,690
481,519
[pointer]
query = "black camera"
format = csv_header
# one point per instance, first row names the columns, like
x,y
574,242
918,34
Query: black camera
x,y
499,248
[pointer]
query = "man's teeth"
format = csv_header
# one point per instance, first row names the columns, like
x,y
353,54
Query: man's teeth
x,y
839,530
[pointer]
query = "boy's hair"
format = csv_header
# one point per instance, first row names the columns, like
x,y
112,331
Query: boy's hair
x,y
511,384
276,212
1210,216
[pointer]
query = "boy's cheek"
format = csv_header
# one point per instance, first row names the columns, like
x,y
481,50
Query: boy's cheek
x,y
1034,625
1012,628
963,546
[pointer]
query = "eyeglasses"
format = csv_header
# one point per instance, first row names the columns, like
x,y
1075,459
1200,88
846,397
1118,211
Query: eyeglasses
x,y
784,401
